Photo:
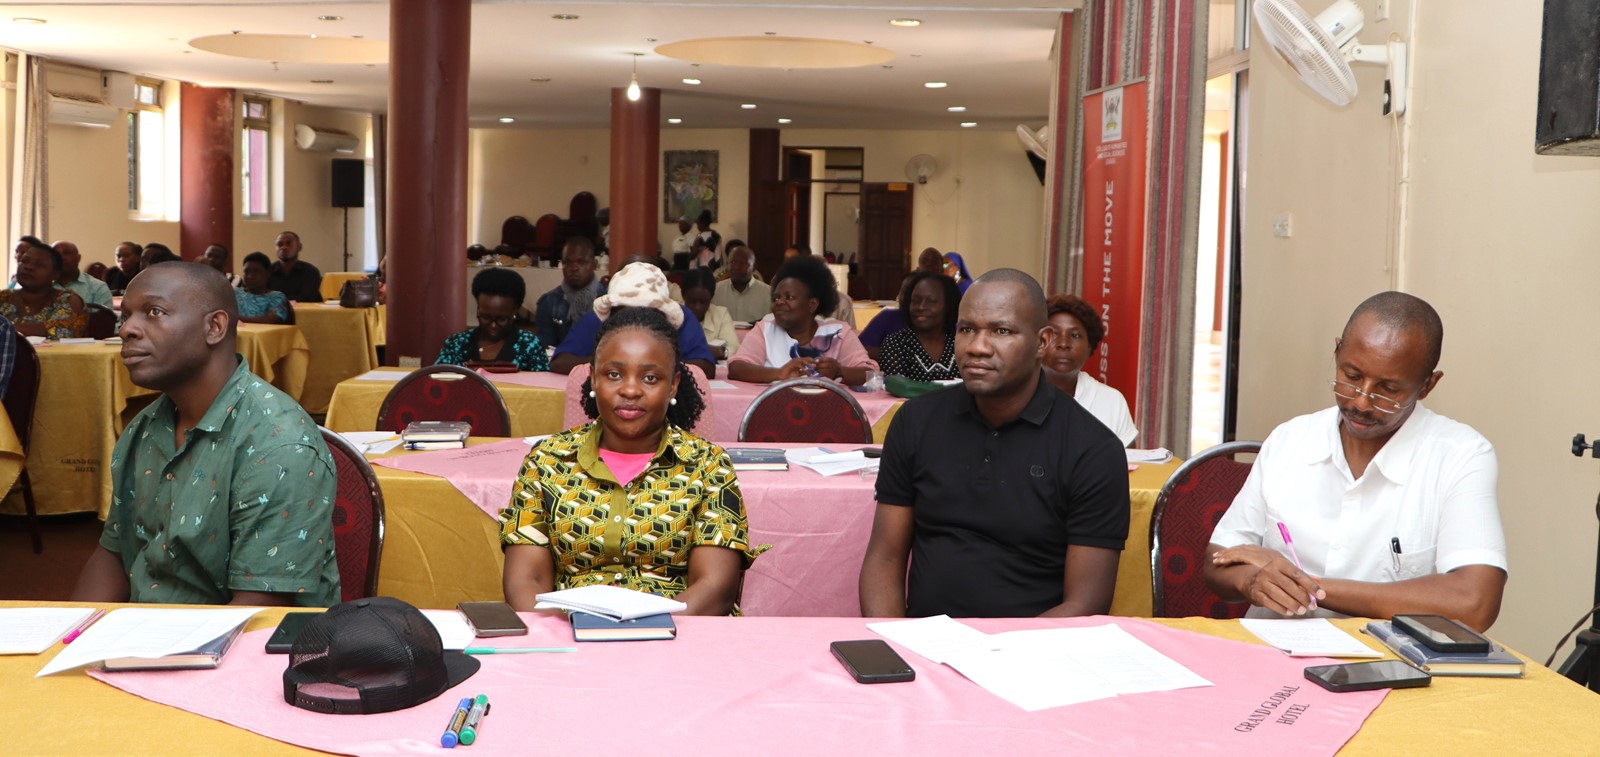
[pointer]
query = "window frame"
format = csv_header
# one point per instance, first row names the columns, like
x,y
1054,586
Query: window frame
x,y
263,124
147,99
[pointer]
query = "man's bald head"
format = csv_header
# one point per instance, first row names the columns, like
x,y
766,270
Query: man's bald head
x,y
200,284
1031,306
1404,313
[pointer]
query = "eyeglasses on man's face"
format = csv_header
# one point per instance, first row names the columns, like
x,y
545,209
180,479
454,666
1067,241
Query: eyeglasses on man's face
x,y
1380,403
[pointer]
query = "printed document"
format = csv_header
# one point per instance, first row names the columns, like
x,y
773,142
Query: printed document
x,y
1307,637
146,632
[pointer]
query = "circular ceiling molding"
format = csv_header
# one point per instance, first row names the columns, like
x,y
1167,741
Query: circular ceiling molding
x,y
777,52
295,48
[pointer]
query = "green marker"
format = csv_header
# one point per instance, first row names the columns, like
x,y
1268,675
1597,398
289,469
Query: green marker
x,y
480,708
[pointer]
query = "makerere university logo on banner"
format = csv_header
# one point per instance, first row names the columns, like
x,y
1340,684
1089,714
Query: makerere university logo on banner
x,y
1111,115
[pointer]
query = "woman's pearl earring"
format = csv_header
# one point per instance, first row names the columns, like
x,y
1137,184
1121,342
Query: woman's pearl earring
x,y
672,401
591,392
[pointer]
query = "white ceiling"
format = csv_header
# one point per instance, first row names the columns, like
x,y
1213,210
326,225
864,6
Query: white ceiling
x,y
993,53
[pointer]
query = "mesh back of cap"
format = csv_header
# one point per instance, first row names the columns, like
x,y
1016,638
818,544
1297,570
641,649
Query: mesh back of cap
x,y
366,656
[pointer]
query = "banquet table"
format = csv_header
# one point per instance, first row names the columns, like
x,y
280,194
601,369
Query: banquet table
x,y
344,343
85,395
773,682
866,310
332,281
442,544
537,401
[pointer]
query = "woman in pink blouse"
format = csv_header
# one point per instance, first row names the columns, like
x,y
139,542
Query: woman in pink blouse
x,y
793,341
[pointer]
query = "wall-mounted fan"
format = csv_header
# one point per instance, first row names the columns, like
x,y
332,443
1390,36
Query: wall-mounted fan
x,y
921,167
1321,49
1036,142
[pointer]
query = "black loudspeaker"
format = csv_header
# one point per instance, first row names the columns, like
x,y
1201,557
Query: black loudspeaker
x,y
1569,80
349,178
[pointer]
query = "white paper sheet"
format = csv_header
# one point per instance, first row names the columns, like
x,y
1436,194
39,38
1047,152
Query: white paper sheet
x,y
452,626
828,462
372,442
31,630
720,384
146,632
381,375
1157,455
610,601
933,637
1307,637
1036,670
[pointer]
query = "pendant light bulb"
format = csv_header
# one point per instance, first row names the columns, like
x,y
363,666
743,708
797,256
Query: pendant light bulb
x,y
633,83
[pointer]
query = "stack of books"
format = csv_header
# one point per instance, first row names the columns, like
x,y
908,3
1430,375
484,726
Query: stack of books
x,y
436,434
749,458
1496,662
612,613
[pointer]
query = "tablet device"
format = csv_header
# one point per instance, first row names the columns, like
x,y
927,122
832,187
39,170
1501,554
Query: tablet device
x,y
1366,676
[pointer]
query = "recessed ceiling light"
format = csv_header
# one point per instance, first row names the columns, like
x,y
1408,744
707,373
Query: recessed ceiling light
x,y
540,80
748,106
968,124
313,36
330,18
564,17
674,120
957,109
905,22
691,81
935,84
29,21
321,81
785,120
507,120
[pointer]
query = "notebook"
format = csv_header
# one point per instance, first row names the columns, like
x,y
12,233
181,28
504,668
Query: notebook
x,y
745,458
589,627
1496,662
610,601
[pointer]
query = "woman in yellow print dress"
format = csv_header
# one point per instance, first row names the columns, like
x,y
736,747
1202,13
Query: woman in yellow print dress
x,y
631,499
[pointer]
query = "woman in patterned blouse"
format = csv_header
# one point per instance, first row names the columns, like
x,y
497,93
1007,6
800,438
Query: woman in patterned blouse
x,y
36,307
257,303
631,499
925,348
497,339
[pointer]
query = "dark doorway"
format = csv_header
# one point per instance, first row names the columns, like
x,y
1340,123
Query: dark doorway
x,y
885,238
797,205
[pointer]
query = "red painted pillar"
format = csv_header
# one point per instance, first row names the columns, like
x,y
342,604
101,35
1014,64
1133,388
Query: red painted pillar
x,y
206,169
635,172
427,194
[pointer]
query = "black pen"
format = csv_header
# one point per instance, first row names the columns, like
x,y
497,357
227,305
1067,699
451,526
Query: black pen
x,y
1394,552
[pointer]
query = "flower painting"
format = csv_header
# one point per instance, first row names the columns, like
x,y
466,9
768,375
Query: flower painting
x,y
691,184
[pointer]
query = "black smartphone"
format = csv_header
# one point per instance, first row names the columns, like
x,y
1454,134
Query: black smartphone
x,y
492,619
1441,634
872,661
872,451
1366,676
282,639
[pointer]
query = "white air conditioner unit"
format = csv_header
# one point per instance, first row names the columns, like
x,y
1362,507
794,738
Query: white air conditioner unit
x,y
313,139
67,111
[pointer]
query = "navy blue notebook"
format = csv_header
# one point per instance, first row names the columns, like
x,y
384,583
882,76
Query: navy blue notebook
x,y
587,627
749,458
1496,662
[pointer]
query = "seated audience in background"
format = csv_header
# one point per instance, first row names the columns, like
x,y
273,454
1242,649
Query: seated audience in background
x,y
129,255
257,303
1004,495
745,298
8,354
886,322
956,268
639,284
706,249
216,256
925,348
1075,333
796,339
673,290
156,252
499,294
661,506
299,280
930,260
1392,507
36,306
222,489
24,242
97,270
698,285
88,288
558,309
846,309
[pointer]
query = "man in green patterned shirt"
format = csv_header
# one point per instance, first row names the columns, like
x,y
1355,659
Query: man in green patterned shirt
x,y
222,490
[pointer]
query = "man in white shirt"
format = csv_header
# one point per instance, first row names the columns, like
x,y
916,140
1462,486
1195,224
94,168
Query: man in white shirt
x,y
1391,507
745,298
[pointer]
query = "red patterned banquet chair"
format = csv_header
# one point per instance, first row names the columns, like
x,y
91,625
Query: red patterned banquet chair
x,y
1186,512
572,414
445,393
21,394
102,322
357,519
809,410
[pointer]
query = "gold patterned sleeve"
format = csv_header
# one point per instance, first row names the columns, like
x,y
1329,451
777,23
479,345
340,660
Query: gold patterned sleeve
x,y
524,520
719,515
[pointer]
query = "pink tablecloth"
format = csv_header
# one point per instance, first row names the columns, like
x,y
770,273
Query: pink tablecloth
x,y
818,525
741,686
729,398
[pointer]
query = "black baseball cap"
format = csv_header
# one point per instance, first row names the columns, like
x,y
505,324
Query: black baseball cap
x,y
370,655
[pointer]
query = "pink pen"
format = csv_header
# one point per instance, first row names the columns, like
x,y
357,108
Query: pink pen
x,y
84,626
1289,542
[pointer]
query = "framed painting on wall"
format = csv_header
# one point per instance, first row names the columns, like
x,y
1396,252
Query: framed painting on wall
x,y
690,181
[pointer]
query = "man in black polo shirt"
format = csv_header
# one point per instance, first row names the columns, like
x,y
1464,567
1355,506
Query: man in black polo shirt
x,y
1010,498
298,280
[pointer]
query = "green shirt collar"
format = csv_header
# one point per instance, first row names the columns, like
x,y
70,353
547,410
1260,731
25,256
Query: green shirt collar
x,y
221,406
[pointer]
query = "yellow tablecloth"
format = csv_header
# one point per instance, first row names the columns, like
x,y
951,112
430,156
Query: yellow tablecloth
x,y
84,390
331,282
344,343
1541,714
11,453
865,311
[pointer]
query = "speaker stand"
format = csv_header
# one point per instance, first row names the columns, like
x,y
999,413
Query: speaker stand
x,y
347,238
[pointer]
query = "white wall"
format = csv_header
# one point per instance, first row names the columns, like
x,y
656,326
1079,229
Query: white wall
x,y
991,216
1500,240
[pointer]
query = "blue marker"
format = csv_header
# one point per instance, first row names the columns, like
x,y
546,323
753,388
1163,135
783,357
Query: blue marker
x,y
452,732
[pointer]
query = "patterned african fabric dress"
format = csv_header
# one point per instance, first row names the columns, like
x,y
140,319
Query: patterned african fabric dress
x,y
59,319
